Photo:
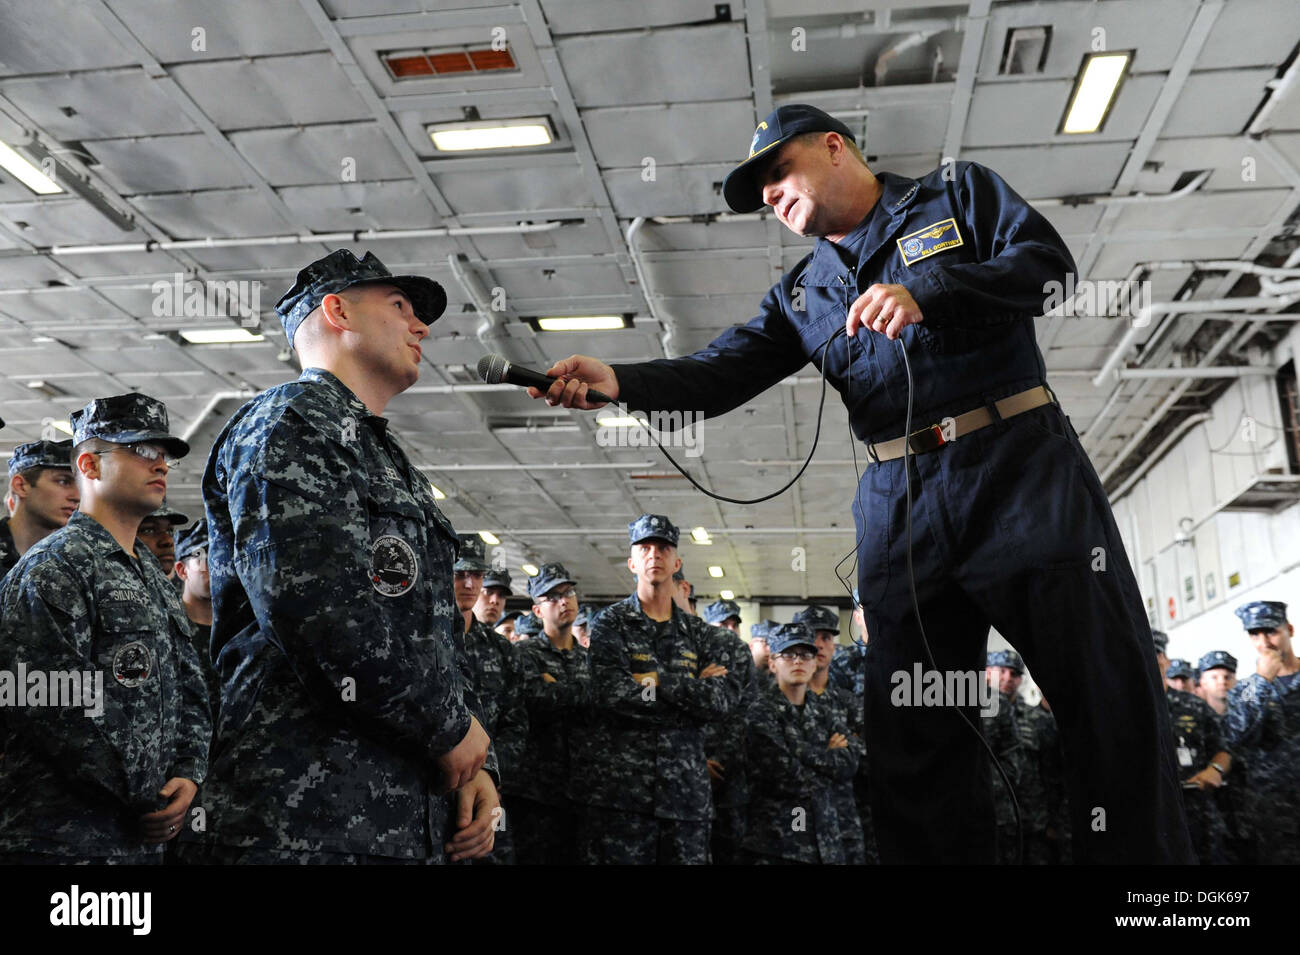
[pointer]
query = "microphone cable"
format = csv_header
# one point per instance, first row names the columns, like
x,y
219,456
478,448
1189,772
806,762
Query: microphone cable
x,y
908,456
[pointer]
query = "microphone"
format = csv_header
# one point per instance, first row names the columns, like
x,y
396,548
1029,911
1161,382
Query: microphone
x,y
495,369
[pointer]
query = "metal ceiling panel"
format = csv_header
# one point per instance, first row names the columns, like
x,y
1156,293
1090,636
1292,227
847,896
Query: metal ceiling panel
x,y
361,205
1054,171
1194,212
1155,29
1010,114
584,16
662,66
1236,164
1251,33
1217,103
1118,258
164,164
107,105
321,154
670,134
29,44
66,221
278,91
676,191
226,212
515,190
232,28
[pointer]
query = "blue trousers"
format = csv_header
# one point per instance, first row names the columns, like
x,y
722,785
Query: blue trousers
x,y
1011,528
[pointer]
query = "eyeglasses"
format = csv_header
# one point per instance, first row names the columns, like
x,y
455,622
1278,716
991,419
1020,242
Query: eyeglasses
x,y
149,452
804,655
561,597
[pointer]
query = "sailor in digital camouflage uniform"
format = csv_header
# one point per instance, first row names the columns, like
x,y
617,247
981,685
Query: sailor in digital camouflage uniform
x,y
196,597
1180,675
491,603
824,623
724,740
759,652
156,532
343,713
684,594
798,751
492,669
526,627
1216,675
1203,763
582,625
506,625
557,691
848,671
657,681
107,776
1263,727
1005,670
44,493
1002,731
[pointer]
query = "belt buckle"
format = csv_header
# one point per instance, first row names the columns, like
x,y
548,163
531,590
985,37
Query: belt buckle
x,y
927,439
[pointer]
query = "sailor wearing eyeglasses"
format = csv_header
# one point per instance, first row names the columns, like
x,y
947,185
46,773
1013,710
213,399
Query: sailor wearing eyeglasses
x,y
107,748
797,751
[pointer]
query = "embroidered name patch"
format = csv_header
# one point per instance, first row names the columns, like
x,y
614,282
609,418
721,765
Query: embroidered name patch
x,y
929,241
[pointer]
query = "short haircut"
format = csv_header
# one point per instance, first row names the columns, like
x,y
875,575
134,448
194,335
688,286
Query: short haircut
x,y
808,139
91,445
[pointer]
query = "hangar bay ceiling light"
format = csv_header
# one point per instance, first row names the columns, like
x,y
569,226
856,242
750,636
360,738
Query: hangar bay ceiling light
x,y
1095,91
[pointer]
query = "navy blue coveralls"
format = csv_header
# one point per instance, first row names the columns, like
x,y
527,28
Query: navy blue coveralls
x,y
1011,526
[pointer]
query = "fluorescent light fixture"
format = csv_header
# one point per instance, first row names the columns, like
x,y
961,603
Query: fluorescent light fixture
x,y
529,569
437,492
491,134
715,571
700,536
219,336
26,173
1094,91
727,594
580,323
489,538
60,425
619,421
49,389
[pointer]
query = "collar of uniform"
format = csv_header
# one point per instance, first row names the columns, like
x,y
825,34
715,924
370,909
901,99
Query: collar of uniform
x,y
104,543
345,394
897,193
673,608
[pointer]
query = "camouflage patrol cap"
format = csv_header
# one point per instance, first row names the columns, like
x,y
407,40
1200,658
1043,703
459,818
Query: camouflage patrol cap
x,y
528,625
40,454
761,630
720,610
1006,658
1262,614
510,615
498,577
1161,640
126,419
469,554
1217,658
171,516
341,270
787,635
652,527
819,618
193,541
548,577
1179,668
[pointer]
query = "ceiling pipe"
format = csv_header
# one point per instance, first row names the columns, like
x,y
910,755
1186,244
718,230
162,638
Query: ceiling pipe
x,y
358,235
1143,319
1278,89
1220,371
1154,457
201,418
638,262
1137,198
886,58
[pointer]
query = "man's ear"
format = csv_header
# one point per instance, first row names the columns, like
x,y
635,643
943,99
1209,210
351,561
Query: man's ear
x,y
182,571
88,465
18,487
333,308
